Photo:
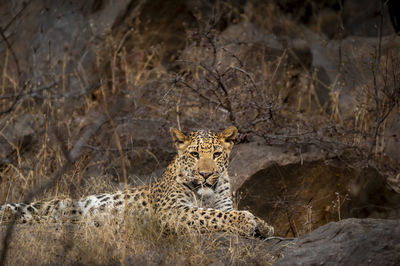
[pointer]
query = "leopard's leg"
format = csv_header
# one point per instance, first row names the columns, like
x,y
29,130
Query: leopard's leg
x,y
191,217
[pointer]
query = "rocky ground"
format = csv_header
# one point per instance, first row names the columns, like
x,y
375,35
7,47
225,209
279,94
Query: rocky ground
x,y
349,242
88,92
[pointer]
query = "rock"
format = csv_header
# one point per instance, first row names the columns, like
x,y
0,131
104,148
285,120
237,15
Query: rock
x,y
246,32
18,133
350,79
332,18
363,19
249,158
348,242
298,198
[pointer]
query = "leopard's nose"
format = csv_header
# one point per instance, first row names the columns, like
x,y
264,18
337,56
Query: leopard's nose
x,y
206,174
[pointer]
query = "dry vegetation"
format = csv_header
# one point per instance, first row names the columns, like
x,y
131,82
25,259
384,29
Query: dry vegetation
x,y
130,244
73,125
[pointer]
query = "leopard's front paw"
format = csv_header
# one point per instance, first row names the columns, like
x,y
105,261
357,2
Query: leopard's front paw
x,y
263,229
254,226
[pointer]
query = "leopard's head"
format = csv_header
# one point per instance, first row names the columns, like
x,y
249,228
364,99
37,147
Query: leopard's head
x,y
203,158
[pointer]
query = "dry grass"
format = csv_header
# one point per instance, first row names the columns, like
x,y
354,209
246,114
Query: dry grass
x,y
133,243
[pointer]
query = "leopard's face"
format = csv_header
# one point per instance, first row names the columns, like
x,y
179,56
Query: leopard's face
x,y
203,158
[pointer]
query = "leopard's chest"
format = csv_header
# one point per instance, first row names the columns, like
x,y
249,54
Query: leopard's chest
x,y
204,201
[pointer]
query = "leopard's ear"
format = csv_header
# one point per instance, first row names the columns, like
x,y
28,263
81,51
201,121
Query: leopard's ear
x,y
228,136
181,140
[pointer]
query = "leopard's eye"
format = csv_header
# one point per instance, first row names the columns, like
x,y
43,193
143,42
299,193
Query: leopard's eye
x,y
195,154
217,154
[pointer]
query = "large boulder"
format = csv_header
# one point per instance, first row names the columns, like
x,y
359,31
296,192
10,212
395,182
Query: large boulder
x,y
348,242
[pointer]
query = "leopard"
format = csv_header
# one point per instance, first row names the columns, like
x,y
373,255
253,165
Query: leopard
x,y
193,193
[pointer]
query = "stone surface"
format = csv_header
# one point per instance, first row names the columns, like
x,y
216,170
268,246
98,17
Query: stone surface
x,y
298,198
17,135
249,158
348,242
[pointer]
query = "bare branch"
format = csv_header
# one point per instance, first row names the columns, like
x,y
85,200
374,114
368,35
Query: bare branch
x,y
12,54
